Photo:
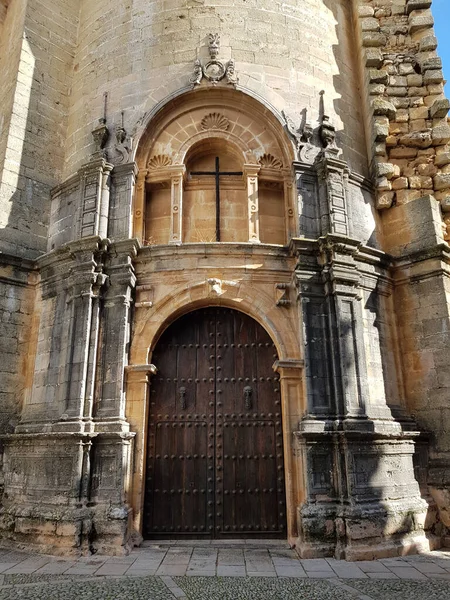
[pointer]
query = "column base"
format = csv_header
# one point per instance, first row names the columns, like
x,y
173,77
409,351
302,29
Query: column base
x,y
363,499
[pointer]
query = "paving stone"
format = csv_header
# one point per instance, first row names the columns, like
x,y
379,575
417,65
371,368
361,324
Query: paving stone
x,y
348,571
6,566
407,573
375,566
56,567
231,571
28,566
230,557
132,572
113,569
429,568
315,564
290,571
175,570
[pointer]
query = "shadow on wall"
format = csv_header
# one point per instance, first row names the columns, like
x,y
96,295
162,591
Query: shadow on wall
x,y
346,86
403,522
24,211
25,197
388,485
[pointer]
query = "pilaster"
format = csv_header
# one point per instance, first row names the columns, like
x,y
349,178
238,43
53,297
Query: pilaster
x,y
251,175
94,209
124,179
110,410
137,414
291,387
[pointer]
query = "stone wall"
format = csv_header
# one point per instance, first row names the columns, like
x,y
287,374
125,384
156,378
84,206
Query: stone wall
x,y
18,327
407,124
142,52
38,41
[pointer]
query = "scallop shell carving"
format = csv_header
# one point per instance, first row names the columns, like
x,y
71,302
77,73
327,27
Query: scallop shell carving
x,y
268,161
159,161
215,121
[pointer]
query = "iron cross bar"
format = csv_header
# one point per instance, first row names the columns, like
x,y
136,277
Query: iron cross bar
x,y
217,175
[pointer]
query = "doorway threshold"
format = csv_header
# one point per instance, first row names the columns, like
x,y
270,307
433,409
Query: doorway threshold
x,y
240,543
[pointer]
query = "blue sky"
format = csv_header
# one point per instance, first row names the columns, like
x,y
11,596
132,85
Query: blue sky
x,y
441,13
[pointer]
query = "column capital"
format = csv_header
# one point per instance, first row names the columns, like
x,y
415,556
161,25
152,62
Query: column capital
x,y
289,367
140,373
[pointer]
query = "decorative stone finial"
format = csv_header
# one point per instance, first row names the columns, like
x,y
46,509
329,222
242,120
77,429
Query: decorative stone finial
x,y
123,149
214,45
101,136
101,133
327,130
307,151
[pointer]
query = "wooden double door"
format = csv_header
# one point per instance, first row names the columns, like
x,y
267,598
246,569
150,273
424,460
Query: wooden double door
x,y
215,442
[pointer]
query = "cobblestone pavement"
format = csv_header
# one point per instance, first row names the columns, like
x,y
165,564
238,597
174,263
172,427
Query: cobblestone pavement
x,y
222,571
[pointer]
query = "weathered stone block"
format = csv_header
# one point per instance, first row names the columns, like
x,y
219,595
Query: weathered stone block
x,y
433,76
384,169
369,24
417,139
383,107
381,128
441,134
439,109
385,200
417,5
401,183
378,76
442,159
428,43
442,181
373,57
373,39
417,22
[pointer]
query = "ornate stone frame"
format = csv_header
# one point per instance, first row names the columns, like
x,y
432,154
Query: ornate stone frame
x,y
277,322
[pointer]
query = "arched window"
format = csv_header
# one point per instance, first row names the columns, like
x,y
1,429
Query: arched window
x,y
214,176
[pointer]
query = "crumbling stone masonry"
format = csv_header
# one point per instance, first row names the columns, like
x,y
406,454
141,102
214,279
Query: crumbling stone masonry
x,y
326,221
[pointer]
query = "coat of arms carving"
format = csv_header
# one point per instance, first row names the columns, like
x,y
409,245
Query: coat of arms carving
x,y
214,70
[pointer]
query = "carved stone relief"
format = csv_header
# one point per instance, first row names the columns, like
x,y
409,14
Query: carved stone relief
x,y
268,161
215,121
214,70
159,161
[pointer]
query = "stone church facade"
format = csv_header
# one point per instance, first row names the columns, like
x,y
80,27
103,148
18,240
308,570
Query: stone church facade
x,y
225,275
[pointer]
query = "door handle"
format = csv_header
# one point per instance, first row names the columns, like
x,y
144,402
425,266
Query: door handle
x,y
182,393
248,393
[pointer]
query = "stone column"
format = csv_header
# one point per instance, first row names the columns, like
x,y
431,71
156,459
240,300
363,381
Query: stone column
x,y
342,282
315,318
176,218
137,414
120,212
292,394
139,207
333,174
110,413
290,205
94,209
251,174
84,276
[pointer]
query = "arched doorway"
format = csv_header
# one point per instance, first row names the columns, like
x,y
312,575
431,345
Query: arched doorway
x,y
215,442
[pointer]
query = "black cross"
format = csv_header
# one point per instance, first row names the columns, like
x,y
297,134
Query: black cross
x,y
217,175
